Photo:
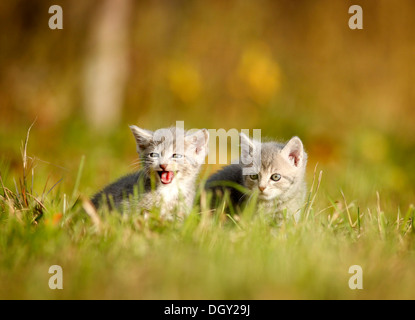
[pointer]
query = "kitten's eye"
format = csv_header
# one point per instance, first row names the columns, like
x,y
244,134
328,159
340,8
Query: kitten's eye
x,y
254,176
154,155
276,177
177,156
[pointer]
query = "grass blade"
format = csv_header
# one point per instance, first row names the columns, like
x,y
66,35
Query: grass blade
x,y
78,177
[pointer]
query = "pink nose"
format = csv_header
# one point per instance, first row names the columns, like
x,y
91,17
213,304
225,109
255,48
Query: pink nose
x,y
261,188
163,166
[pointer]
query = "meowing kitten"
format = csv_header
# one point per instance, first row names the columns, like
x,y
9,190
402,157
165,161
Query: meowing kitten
x,y
278,176
171,160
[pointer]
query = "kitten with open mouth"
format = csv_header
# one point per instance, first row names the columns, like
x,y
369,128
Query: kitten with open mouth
x,y
166,177
171,159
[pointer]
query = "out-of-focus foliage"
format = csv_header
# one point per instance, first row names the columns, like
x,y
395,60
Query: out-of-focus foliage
x,y
286,67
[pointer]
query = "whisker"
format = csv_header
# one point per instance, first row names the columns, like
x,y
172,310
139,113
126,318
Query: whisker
x,y
135,165
249,197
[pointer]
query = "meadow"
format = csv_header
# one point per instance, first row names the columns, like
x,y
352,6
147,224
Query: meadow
x,y
271,65
208,255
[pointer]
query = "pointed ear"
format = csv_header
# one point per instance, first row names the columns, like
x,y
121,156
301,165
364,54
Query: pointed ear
x,y
247,148
198,143
142,137
294,152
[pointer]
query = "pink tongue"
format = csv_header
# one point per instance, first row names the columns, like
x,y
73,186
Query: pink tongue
x,y
167,176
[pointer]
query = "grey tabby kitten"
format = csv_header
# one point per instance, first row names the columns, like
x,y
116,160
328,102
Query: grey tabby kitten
x,y
171,160
278,176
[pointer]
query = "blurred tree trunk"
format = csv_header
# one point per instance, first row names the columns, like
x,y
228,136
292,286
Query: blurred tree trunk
x,y
106,66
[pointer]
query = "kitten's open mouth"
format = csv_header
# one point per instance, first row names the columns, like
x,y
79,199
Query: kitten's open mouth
x,y
166,177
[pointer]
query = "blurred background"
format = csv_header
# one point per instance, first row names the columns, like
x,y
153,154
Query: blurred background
x,y
285,67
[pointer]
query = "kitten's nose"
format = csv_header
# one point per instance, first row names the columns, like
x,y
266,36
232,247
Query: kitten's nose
x,y
261,188
163,166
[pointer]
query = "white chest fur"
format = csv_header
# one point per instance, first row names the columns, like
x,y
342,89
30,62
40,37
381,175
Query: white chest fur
x,y
168,193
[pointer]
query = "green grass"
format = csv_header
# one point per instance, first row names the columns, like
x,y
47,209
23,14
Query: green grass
x,y
209,255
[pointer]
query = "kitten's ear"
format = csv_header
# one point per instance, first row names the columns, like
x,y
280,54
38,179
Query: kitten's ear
x,y
247,148
142,137
294,152
198,142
